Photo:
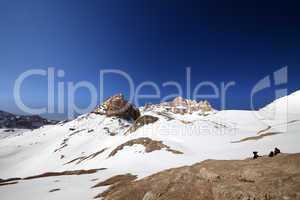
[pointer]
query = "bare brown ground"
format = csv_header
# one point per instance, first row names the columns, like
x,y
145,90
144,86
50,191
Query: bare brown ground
x,y
149,144
185,122
269,127
60,148
9,183
83,158
276,178
9,180
114,182
65,173
54,190
75,159
64,143
264,130
116,179
257,137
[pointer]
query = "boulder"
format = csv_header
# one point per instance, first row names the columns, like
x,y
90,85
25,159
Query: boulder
x,y
119,107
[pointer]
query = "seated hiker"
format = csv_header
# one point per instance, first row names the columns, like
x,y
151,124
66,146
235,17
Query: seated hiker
x,y
276,151
255,155
271,154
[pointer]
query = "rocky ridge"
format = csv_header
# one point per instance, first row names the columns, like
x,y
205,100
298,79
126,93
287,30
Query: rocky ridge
x,y
9,120
180,105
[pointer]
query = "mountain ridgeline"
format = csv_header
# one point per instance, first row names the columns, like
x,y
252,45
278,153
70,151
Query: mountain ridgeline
x,y
9,120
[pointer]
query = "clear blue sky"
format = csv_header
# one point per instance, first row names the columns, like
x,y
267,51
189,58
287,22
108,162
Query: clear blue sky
x,y
150,40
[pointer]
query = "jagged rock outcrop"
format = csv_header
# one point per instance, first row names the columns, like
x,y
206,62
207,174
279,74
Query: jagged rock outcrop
x,y
141,121
149,144
182,106
265,178
119,107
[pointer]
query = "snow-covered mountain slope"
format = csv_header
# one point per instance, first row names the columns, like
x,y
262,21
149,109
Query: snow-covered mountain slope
x,y
9,132
287,107
12,125
158,140
290,102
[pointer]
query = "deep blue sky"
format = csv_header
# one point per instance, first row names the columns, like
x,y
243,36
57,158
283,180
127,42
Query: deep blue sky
x,y
151,40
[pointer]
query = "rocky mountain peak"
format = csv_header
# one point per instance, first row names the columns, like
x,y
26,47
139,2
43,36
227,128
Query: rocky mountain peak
x,y
118,106
182,105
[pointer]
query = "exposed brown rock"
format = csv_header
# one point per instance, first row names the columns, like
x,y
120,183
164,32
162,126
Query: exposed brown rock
x,y
62,145
183,106
166,115
266,178
54,190
264,130
65,173
83,158
141,121
149,144
9,183
258,137
9,180
114,182
79,159
116,179
119,107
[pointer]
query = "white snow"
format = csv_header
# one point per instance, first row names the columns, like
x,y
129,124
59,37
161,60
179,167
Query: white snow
x,y
198,137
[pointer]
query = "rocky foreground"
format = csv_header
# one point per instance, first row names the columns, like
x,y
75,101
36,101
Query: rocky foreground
x,y
276,178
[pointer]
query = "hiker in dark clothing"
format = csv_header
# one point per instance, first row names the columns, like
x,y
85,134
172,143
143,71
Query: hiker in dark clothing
x,y
255,155
271,154
276,151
